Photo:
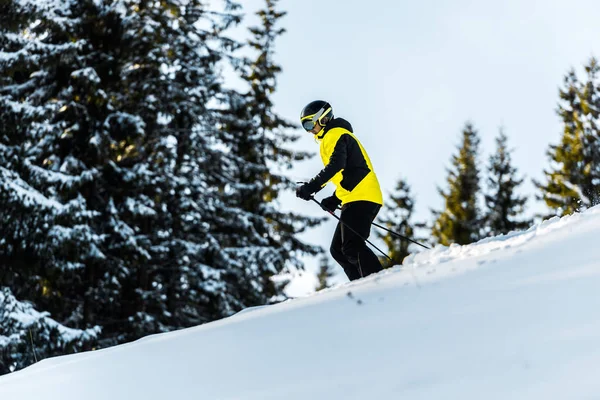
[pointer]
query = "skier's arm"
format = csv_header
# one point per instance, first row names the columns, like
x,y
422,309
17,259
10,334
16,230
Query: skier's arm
x,y
337,162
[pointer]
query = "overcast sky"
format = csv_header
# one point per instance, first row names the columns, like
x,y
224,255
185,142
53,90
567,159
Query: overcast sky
x,y
409,74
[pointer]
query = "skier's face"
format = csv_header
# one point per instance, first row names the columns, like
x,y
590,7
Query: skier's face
x,y
316,129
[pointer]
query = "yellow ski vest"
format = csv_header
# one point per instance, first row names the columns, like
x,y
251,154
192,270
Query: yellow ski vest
x,y
357,180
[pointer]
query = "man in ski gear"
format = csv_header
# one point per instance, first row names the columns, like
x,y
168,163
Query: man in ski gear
x,y
348,166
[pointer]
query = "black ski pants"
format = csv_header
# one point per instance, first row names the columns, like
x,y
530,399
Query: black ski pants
x,y
348,248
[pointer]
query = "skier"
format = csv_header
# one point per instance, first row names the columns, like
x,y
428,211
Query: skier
x,y
347,165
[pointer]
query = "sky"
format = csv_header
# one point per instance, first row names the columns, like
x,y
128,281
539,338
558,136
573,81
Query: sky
x,y
408,76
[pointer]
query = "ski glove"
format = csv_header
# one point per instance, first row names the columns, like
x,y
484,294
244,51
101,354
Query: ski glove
x,y
306,191
331,203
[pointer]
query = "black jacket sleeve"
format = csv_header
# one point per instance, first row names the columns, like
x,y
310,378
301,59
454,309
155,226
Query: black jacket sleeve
x,y
337,162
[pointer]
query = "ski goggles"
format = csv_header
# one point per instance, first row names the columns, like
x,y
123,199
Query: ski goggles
x,y
309,122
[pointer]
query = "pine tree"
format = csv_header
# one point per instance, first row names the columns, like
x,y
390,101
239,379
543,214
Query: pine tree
x,y
48,243
397,217
262,241
187,280
28,335
503,205
325,273
571,182
460,221
110,151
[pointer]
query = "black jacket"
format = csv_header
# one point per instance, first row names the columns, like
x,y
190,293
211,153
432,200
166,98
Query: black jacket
x,y
341,151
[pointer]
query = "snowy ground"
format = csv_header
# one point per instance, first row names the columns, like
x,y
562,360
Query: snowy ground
x,y
514,317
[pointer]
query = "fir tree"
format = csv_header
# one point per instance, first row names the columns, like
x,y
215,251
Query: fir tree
x,y
460,221
262,238
188,278
325,273
397,217
110,153
572,181
48,244
503,205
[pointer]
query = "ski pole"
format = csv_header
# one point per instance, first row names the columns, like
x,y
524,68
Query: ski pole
x,y
400,236
397,234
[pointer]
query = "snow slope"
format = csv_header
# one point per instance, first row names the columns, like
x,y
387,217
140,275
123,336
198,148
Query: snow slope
x,y
514,317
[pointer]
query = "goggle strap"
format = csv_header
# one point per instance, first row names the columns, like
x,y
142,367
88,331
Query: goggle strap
x,y
325,113
316,117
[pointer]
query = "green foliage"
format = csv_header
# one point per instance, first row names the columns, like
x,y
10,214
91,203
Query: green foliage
x,y
397,217
325,273
572,180
460,221
503,205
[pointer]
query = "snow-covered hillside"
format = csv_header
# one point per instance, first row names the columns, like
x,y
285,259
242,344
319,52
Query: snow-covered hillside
x,y
514,317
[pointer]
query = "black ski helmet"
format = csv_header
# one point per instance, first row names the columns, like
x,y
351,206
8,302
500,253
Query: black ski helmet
x,y
316,111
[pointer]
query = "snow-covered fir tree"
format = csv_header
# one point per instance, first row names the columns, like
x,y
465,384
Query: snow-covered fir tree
x,y
326,272
109,152
397,217
460,221
28,335
573,178
503,205
187,279
48,244
262,240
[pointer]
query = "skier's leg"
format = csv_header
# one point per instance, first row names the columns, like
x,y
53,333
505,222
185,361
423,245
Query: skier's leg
x,y
368,261
358,216
367,258
350,269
